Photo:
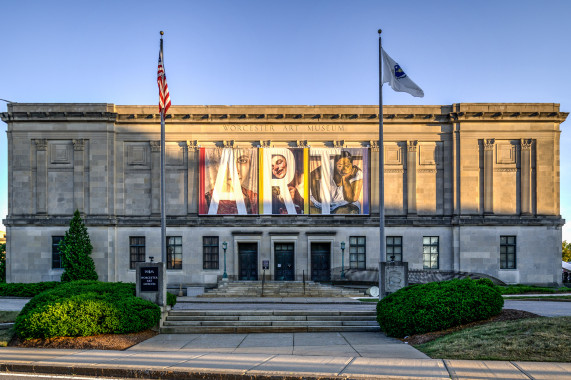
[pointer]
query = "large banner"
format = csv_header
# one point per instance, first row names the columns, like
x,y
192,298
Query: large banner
x,y
228,181
283,181
337,179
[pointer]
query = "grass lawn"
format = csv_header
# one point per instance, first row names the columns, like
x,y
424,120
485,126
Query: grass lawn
x,y
532,339
368,299
546,298
522,289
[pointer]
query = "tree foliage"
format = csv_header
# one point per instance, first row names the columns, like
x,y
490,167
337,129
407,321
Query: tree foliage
x,y
75,252
566,251
3,262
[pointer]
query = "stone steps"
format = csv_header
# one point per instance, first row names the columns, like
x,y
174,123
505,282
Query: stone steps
x,y
266,321
279,289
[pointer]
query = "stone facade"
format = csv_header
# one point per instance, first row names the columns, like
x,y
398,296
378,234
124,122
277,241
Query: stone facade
x,y
466,174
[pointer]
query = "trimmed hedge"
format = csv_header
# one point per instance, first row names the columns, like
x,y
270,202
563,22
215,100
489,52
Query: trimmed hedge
x,y
83,308
15,289
422,308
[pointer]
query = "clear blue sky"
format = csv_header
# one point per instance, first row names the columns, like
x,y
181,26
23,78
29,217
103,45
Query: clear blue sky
x,y
286,52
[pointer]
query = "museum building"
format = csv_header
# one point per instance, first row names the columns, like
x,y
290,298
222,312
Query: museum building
x,y
289,192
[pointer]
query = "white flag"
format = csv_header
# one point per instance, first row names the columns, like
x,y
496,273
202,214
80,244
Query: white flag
x,y
396,77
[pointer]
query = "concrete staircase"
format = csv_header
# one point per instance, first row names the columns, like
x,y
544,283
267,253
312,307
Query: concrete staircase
x,y
267,321
280,289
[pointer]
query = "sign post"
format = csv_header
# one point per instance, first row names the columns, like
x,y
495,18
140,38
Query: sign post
x,y
151,284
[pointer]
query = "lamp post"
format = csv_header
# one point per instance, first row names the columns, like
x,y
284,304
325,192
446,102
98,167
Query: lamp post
x,y
224,246
342,259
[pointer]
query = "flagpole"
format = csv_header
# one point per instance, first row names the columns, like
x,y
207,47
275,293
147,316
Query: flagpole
x,y
382,250
163,185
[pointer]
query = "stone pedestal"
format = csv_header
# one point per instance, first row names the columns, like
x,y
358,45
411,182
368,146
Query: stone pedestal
x,y
151,282
394,276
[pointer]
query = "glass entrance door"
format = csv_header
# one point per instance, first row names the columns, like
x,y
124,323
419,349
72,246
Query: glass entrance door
x,y
248,261
320,262
284,265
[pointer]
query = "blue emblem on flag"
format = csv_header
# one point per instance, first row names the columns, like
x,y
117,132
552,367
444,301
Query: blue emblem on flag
x,y
399,73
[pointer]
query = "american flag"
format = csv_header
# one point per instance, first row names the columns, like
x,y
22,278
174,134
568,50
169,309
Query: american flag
x,y
164,97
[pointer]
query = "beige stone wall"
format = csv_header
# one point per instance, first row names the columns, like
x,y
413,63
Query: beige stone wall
x,y
483,166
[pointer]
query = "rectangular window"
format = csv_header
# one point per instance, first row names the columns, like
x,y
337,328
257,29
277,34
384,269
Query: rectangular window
x,y
56,257
507,252
210,252
174,252
430,252
357,252
394,248
136,250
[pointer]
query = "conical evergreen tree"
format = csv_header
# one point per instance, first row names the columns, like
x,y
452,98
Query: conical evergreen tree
x,y
75,252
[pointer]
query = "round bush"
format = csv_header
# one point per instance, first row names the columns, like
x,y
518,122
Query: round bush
x,y
435,306
84,308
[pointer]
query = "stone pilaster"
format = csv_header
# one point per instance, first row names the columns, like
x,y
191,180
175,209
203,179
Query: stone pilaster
x,y
489,145
192,176
41,175
155,177
411,176
78,175
374,201
526,176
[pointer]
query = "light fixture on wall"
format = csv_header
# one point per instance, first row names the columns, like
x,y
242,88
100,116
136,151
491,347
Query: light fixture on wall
x,y
342,260
224,246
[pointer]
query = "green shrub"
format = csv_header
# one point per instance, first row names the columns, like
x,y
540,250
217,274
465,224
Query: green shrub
x,y
84,308
171,299
15,289
435,306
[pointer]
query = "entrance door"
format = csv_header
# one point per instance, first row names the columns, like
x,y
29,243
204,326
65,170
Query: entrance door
x,y
248,261
320,262
284,269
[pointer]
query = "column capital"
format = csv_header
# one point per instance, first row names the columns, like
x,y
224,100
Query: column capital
x,y
411,145
489,144
338,143
192,145
265,143
228,143
526,144
41,144
374,145
301,143
78,144
155,146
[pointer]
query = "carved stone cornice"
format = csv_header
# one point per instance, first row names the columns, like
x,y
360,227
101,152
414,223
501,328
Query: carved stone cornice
x,y
78,144
41,144
374,145
155,146
489,144
526,144
411,145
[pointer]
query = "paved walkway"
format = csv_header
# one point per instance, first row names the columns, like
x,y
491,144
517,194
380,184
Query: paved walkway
x,y
178,364
285,355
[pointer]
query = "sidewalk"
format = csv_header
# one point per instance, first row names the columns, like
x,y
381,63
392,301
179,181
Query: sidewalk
x,y
208,365
347,355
